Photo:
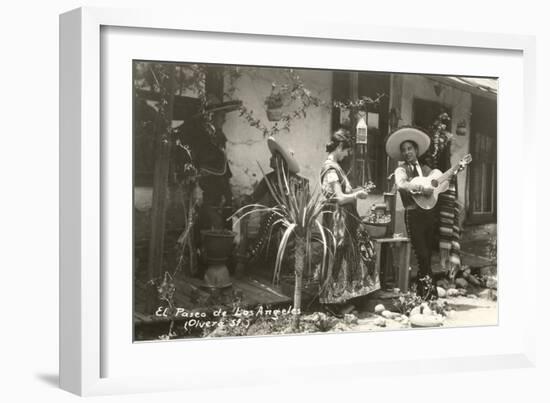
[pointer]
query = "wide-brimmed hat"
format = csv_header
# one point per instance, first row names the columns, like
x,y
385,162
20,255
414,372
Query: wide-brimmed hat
x,y
287,155
406,133
213,104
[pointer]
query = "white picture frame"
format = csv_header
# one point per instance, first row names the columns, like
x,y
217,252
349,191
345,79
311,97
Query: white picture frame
x,y
83,174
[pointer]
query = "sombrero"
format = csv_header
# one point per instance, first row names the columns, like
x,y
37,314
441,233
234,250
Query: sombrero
x,y
287,155
213,104
406,133
177,123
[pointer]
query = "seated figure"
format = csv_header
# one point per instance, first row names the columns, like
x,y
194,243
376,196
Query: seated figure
x,y
262,249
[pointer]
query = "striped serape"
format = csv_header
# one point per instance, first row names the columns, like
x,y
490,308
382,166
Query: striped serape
x,y
449,228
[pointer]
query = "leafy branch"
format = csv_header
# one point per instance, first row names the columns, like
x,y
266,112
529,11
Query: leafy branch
x,y
359,105
441,136
292,92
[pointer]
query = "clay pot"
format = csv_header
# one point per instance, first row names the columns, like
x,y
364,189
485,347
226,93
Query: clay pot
x,y
274,115
218,247
376,230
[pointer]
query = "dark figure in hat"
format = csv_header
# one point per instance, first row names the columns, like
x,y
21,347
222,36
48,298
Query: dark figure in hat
x,y
407,144
204,136
283,164
281,161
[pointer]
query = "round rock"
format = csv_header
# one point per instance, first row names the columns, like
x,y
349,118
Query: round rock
x,y
379,309
425,321
452,292
380,322
461,283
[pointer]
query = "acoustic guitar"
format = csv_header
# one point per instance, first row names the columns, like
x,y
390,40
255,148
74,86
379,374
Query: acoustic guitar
x,y
438,181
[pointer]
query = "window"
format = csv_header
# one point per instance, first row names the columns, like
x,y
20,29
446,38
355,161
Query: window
x,y
369,162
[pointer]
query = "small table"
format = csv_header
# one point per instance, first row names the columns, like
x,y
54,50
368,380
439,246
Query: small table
x,y
395,266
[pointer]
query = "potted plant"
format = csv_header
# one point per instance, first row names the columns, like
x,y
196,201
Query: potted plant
x,y
274,105
377,222
299,215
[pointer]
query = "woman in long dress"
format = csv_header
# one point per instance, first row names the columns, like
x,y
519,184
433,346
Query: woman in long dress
x,y
352,273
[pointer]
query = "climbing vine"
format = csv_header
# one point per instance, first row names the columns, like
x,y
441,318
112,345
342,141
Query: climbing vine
x,y
441,136
291,92
358,105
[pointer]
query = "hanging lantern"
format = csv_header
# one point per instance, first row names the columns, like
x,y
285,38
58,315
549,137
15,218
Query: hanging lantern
x,y
461,129
361,130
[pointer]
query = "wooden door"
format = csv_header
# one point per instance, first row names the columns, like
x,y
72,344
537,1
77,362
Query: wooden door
x,y
482,173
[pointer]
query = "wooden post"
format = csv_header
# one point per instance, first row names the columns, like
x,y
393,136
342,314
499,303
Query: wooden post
x,y
160,177
378,264
214,81
403,278
394,121
354,96
189,245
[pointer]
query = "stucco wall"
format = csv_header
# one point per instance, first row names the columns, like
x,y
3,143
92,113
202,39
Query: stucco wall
x,y
247,146
307,137
460,103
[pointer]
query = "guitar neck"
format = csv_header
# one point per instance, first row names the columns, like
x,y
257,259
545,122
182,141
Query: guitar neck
x,y
448,173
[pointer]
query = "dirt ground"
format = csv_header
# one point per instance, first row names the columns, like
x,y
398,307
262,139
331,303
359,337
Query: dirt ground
x,y
461,303
463,311
476,308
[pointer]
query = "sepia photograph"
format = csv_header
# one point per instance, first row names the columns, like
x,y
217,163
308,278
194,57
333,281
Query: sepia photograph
x,y
277,200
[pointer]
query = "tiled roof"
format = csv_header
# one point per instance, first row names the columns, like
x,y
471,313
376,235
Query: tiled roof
x,y
484,84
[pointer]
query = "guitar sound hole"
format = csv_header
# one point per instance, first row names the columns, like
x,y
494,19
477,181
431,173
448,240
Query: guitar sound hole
x,y
435,183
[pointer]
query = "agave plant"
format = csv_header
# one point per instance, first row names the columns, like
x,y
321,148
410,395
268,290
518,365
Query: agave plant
x,y
299,214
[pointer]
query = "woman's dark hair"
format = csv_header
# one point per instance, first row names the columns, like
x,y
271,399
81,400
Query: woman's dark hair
x,y
340,136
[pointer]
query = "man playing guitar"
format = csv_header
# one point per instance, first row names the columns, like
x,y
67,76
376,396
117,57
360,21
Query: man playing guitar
x,y
407,144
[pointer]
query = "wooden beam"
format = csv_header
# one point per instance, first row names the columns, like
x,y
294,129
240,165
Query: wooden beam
x,y
463,86
160,178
